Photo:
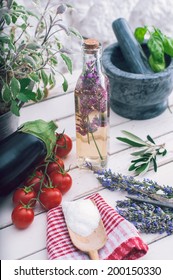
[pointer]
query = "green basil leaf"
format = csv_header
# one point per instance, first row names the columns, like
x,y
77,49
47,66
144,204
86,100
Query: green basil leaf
x,y
67,61
140,33
156,59
168,46
155,65
156,47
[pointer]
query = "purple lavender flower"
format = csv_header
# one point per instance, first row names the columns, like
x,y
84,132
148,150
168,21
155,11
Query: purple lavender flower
x,y
92,102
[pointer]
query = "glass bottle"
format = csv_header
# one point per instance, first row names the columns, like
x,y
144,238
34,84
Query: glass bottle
x,y
92,109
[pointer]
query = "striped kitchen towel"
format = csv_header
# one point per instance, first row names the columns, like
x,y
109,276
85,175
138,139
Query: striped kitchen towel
x,y
124,242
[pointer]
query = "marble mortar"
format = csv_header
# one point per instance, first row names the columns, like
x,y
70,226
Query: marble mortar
x,y
136,96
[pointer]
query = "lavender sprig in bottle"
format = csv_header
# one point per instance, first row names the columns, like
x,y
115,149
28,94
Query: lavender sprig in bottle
x,y
92,108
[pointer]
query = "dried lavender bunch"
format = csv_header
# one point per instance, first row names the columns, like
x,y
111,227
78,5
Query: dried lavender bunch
x,y
146,217
147,187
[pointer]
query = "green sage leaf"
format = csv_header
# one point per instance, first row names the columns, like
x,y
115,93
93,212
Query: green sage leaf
x,y
67,61
52,81
22,97
6,93
29,60
75,32
64,84
44,77
24,83
8,19
30,94
15,108
40,94
34,77
15,87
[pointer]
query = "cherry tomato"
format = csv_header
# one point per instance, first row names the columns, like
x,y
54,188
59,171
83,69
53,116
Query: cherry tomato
x,y
25,195
50,198
62,181
22,216
36,180
56,164
63,145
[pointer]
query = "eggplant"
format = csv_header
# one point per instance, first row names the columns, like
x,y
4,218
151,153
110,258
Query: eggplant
x,y
20,153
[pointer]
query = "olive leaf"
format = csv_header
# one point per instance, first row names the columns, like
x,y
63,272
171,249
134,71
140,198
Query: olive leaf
x,y
145,157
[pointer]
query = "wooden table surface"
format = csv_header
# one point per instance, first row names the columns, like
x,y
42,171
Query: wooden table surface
x,y
30,243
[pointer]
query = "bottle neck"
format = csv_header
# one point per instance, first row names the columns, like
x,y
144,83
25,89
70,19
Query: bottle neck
x,y
91,61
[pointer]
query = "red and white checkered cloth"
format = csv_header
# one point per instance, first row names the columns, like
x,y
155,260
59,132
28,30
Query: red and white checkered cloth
x,y
124,242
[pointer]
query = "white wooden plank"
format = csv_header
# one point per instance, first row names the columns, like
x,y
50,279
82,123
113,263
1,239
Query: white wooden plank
x,y
51,109
16,243
41,255
160,250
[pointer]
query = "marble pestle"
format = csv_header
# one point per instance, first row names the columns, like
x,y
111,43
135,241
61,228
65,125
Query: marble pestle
x,y
130,48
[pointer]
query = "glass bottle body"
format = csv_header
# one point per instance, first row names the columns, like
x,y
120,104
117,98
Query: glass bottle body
x,y
92,112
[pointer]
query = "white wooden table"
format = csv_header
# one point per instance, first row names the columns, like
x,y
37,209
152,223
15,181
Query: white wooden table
x,y
31,243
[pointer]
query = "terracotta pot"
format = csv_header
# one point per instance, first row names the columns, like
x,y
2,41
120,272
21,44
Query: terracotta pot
x,y
8,124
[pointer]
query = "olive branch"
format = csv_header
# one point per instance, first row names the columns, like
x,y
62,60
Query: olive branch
x,y
147,153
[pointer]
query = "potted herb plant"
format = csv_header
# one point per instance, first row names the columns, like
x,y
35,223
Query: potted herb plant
x,y
30,54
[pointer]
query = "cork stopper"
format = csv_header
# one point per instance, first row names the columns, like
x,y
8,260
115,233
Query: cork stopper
x,y
91,44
